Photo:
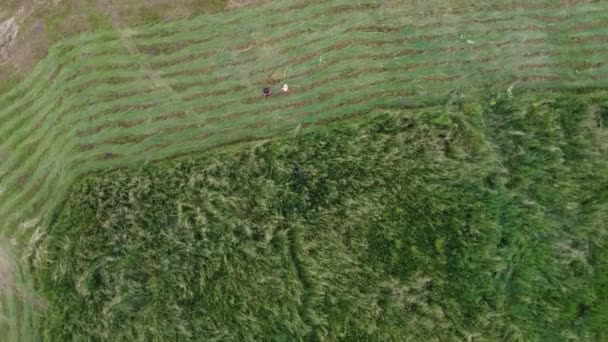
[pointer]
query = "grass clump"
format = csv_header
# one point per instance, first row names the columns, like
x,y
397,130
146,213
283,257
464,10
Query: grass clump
x,y
479,221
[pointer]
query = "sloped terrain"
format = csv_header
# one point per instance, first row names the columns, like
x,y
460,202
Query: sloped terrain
x,y
113,98
126,96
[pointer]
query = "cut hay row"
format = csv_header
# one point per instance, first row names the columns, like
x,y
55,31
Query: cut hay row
x,y
404,66
117,71
118,42
109,135
188,53
78,109
90,104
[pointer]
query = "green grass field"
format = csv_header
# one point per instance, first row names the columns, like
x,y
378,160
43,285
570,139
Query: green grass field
x,y
481,222
500,178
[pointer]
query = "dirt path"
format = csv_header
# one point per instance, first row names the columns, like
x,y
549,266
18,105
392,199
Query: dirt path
x,y
8,37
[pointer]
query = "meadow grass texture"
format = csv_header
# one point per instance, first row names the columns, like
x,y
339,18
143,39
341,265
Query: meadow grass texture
x,y
504,192
120,97
472,221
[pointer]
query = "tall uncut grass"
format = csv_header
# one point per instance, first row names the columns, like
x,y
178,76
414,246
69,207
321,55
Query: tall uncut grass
x,y
481,221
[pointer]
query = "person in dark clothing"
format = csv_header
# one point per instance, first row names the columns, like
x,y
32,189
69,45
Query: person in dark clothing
x,y
267,92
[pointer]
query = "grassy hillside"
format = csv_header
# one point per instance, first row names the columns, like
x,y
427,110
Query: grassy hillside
x,y
128,96
117,98
472,221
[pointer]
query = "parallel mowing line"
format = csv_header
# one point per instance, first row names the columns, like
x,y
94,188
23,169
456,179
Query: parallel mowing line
x,y
184,68
408,38
312,55
49,145
17,121
438,79
237,19
283,37
201,94
112,66
48,66
589,11
25,87
198,134
528,6
595,12
234,93
114,91
204,47
359,41
552,18
602,23
43,89
269,22
20,131
281,10
205,22
337,11
8,124
229,117
49,186
30,95
408,66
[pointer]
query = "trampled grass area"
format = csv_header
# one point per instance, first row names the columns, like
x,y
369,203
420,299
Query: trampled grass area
x,y
468,221
126,97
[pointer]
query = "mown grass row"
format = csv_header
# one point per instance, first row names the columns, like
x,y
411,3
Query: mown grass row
x,y
133,72
98,46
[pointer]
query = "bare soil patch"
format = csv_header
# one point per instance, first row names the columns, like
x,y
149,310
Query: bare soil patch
x,y
8,36
29,27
